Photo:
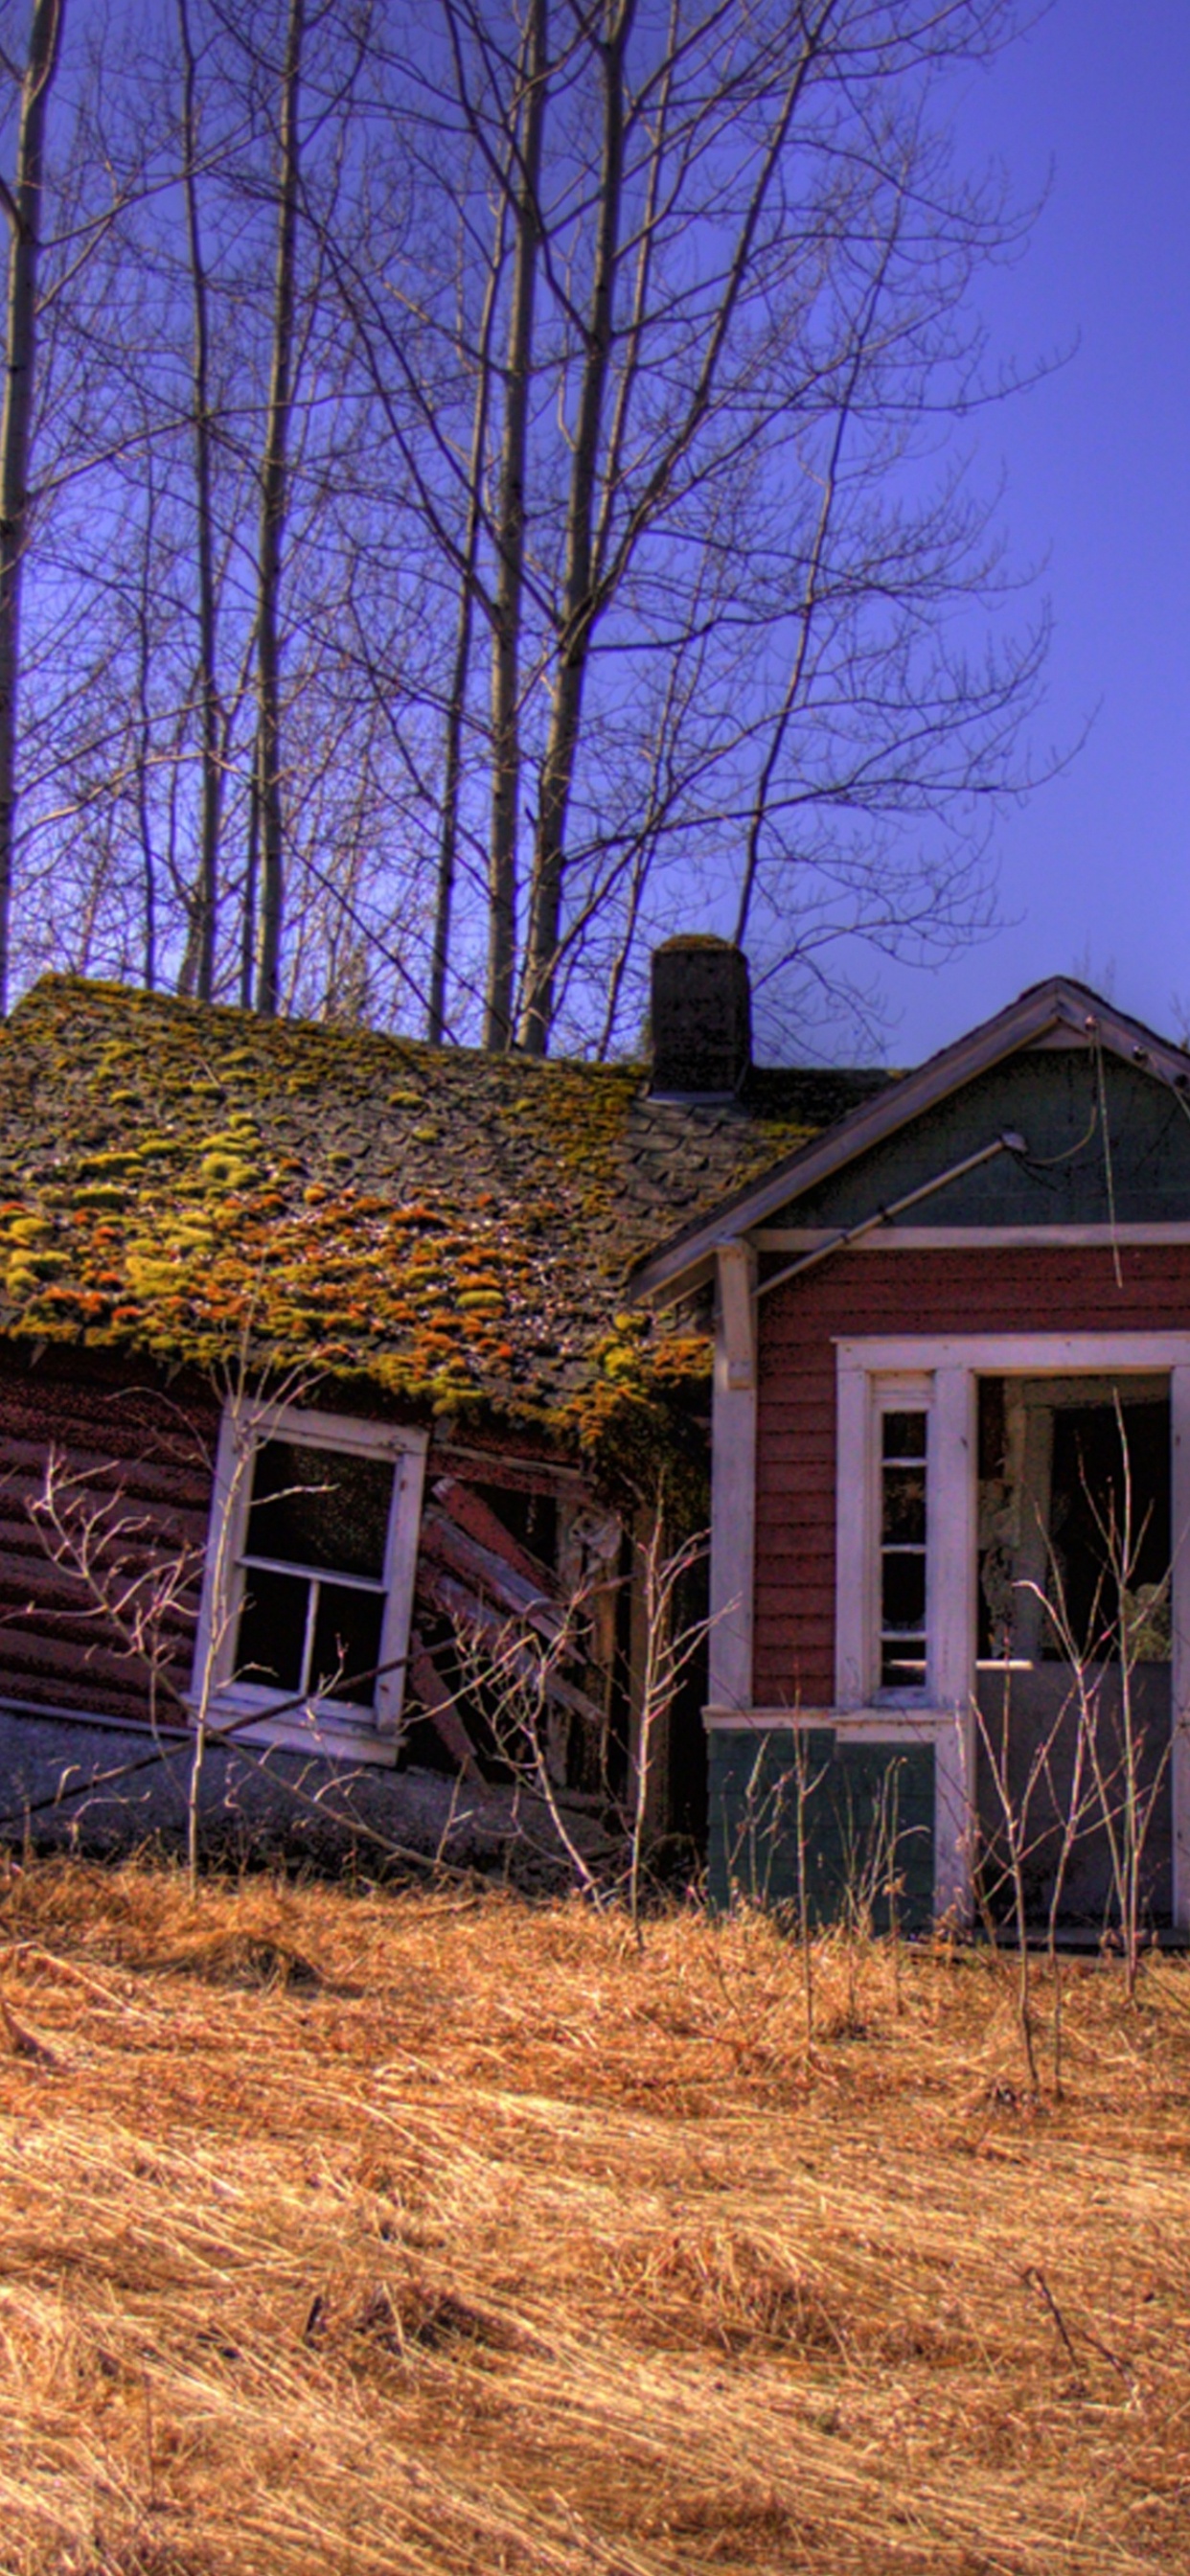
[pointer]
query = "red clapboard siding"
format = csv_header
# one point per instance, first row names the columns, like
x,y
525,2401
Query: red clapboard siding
x,y
144,1452
1022,1290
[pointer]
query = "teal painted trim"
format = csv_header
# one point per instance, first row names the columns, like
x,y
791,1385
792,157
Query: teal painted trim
x,y
868,1817
1052,1099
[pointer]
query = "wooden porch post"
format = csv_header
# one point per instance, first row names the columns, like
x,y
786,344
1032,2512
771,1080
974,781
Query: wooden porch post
x,y
733,1479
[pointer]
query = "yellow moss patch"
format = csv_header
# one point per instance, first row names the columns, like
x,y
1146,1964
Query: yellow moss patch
x,y
225,1172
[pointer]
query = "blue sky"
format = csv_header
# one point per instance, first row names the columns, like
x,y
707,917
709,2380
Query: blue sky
x,y
1095,868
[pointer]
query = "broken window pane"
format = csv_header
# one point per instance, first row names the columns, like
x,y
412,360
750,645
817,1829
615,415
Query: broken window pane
x,y
346,1644
1074,1519
1109,1524
272,1630
323,1508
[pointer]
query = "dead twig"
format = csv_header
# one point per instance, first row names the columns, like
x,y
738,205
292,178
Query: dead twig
x,y
21,2041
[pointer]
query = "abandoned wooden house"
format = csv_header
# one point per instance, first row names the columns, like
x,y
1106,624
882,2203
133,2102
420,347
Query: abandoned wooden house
x,y
318,1386
339,1373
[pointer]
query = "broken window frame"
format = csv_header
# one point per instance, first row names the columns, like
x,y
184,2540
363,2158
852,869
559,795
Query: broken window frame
x,y
259,1711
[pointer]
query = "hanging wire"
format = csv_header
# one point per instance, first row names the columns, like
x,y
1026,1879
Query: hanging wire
x,y
1046,1162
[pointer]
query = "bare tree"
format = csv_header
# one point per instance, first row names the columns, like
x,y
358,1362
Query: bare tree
x,y
204,527
457,697
24,207
273,499
579,601
529,431
715,574
510,541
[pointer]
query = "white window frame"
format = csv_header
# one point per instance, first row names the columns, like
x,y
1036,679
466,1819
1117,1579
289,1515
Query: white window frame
x,y
951,1366
260,1714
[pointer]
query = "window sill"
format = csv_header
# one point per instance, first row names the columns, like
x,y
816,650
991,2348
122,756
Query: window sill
x,y
898,1720
325,1732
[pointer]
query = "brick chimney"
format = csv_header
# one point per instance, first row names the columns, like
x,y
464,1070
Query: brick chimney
x,y
701,1017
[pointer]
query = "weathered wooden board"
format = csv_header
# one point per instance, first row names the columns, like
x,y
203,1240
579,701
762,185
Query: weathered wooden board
x,y
136,1452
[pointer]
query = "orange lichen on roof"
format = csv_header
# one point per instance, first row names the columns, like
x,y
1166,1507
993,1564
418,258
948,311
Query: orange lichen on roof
x,y
452,1227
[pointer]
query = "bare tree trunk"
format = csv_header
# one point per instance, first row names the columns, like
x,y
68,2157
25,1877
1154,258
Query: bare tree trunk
x,y
251,882
579,606
144,665
207,890
595,567
457,701
510,539
272,527
23,208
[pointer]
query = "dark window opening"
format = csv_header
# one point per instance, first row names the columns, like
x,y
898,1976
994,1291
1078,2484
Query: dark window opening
x,y
903,1550
312,1614
1074,1520
1109,1520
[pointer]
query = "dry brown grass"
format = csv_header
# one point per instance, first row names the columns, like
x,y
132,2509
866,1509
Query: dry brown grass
x,y
421,2234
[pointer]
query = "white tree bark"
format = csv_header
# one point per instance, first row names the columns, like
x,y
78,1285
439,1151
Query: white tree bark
x,y
23,205
274,495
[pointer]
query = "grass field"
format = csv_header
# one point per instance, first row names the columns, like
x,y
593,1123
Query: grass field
x,y
385,2233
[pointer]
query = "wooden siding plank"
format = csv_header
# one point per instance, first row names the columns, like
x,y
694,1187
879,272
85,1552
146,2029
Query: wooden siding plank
x,y
130,1449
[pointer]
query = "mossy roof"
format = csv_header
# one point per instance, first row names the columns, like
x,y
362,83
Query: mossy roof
x,y
451,1227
